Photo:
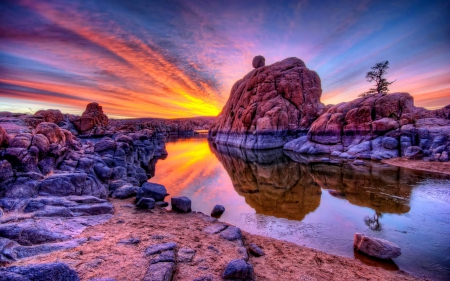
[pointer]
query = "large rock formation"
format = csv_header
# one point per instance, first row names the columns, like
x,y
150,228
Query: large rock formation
x,y
92,118
377,127
46,173
270,106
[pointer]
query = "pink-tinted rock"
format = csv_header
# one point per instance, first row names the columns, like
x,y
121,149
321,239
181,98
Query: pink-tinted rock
x,y
51,115
376,247
92,117
269,106
420,113
4,140
52,132
258,61
357,127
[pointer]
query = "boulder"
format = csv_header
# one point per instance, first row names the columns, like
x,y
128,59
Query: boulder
x,y
92,117
413,152
125,192
357,127
146,203
52,132
238,270
376,247
50,115
258,61
231,233
217,210
162,271
152,190
270,106
181,204
4,139
39,272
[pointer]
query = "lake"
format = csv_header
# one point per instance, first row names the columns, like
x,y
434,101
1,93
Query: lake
x,y
317,205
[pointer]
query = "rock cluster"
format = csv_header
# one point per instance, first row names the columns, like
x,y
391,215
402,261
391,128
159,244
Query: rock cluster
x,y
92,121
46,173
270,106
279,106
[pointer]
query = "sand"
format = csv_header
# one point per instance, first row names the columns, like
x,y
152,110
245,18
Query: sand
x,y
435,167
103,257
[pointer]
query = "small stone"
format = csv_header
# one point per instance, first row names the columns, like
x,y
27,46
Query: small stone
x,y
162,271
243,253
120,221
376,247
185,254
205,278
158,248
161,204
215,228
166,256
231,233
238,269
217,211
146,203
181,204
130,241
255,250
97,237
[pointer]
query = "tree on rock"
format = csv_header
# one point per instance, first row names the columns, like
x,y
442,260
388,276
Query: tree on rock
x,y
377,74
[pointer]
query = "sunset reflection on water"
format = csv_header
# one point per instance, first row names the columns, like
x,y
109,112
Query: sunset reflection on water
x,y
314,204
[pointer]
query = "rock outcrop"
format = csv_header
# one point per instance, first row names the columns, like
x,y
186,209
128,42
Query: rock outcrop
x,y
91,120
53,184
270,106
377,127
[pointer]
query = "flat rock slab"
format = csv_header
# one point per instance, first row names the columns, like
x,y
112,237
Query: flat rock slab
x,y
39,272
158,248
376,247
166,256
185,254
231,233
215,228
162,271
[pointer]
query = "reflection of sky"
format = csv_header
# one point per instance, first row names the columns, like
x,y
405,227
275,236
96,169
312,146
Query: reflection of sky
x,y
423,232
180,58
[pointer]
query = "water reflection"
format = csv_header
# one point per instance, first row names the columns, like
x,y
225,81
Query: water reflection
x,y
302,200
275,185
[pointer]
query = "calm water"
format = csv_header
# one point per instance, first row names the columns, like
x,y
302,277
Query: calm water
x,y
317,205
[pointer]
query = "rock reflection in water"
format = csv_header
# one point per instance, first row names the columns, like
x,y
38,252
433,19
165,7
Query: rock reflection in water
x,y
273,184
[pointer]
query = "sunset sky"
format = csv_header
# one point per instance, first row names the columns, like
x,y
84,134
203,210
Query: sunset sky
x,y
180,58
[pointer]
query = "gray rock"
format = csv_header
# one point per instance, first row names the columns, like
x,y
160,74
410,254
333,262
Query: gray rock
x,y
185,254
215,228
205,278
119,173
158,248
74,184
102,279
93,209
376,247
39,272
413,152
242,251
6,171
161,204
238,270
162,271
217,210
166,256
152,190
231,233
255,250
130,241
181,204
27,236
389,143
146,203
125,192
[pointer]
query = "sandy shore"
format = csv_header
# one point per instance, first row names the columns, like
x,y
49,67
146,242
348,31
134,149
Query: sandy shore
x,y
435,167
102,256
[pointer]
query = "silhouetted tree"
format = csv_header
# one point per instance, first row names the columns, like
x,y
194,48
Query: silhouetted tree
x,y
374,222
376,74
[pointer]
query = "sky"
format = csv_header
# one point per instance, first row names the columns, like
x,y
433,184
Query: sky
x,y
180,58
